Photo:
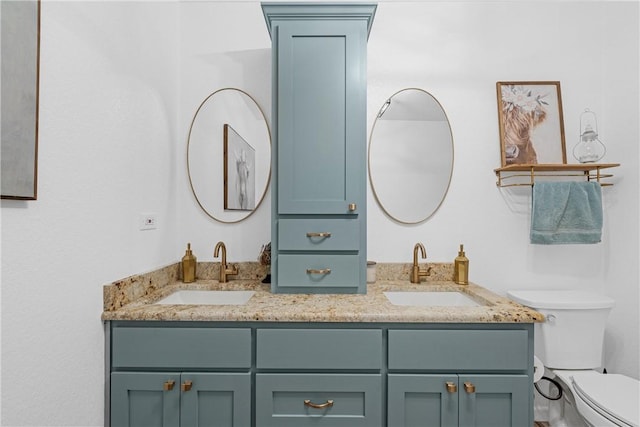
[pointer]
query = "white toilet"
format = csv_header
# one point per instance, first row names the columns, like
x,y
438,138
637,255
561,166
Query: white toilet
x,y
569,344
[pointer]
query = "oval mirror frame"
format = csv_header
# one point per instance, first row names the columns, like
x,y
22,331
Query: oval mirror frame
x,y
390,167
223,120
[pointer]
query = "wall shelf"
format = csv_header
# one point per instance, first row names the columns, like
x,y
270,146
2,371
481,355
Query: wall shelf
x,y
521,175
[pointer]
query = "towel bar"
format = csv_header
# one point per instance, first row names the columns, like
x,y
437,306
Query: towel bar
x,y
590,171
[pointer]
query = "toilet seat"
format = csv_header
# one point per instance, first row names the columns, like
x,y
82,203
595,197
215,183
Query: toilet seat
x,y
613,396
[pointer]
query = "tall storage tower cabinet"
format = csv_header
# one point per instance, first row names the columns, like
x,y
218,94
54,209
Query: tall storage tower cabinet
x,y
319,157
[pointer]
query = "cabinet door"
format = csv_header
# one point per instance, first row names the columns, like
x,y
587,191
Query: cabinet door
x,y
494,400
422,400
321,116
216,399
141,399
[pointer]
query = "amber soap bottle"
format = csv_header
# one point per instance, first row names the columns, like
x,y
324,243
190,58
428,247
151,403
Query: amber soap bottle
x,y
461,268
188,266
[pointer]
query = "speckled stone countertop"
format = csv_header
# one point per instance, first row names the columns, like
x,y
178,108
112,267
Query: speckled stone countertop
x,y
134,298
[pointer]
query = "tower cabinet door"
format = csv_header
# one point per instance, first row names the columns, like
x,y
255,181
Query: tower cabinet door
x,y
321,116
422,400
142,399
216,399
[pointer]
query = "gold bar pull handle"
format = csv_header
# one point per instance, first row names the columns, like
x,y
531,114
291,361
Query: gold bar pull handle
x,y
318,271
319,234
168,385
469,387
186,386
451,387
327,404
352,207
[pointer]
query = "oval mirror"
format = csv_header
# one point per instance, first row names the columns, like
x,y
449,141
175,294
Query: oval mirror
x,y
229,155
410,156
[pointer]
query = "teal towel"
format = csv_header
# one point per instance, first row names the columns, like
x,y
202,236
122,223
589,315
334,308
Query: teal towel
x,y
566,212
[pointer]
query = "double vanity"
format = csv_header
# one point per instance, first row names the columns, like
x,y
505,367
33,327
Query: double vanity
x,y
318,346
433,353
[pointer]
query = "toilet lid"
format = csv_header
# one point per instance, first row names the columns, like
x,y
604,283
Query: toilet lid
x,y
561,299
616,395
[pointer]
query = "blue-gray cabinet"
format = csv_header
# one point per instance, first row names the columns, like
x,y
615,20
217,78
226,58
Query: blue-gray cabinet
x,y
173,399
262,374
180,376
319,377
319,154
449,400
461,377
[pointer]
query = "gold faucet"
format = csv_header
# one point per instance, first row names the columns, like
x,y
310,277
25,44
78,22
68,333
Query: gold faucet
x,y
416,273
224,268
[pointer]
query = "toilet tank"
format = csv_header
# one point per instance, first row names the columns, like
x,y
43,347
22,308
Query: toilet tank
x,y
573,334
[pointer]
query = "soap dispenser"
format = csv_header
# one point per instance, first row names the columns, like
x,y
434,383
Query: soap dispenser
x,y
461,268
188,266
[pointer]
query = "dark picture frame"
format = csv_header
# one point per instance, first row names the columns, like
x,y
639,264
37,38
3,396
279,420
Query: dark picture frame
x,y
20,77
239,172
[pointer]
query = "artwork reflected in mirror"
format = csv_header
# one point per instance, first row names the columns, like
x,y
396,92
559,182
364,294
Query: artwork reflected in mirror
x,y
20,79
239,172
410,156
229,155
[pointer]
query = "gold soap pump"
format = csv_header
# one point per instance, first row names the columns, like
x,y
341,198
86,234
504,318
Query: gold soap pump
x,y
188,266
461,268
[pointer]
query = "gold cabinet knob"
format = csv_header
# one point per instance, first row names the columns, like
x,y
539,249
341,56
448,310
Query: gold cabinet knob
x,y
327,404
168,385
469,387
451,387
186,386
352,207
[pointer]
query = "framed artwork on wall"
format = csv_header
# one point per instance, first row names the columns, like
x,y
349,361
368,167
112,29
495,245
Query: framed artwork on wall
x,y
531,123
239,172
20,24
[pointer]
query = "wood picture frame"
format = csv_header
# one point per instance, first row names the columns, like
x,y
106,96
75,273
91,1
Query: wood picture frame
x,y
20,77
531,123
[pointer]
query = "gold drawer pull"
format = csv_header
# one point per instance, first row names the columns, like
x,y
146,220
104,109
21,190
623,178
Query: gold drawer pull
x,y
327,404
318,271
451,387
319,234
168,385
352,207
469,387
186,386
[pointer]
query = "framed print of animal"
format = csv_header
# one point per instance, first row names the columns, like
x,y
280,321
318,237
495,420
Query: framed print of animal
x,y
531,123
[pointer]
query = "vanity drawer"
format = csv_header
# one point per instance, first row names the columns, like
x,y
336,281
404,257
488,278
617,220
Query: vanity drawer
x,y
319,349
300,270
345,400
319,234
134,347
456,350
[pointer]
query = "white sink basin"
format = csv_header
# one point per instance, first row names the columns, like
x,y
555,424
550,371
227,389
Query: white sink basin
x,y
208,297
431,299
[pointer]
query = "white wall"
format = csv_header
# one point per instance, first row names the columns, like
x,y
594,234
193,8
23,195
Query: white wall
x,y
120,84
108,106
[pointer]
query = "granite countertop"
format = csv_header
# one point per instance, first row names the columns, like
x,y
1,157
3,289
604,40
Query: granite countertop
x,y
134,299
